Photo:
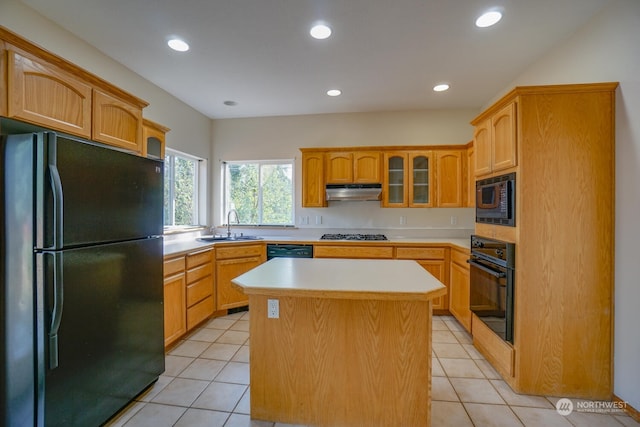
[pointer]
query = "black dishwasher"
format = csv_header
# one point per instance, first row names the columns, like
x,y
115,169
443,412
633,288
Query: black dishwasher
x,y
285,250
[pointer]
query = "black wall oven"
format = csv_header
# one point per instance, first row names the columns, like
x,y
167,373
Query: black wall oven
x,y
495,200
492,265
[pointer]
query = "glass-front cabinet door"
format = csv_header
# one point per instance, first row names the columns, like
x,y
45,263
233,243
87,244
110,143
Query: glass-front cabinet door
x,y
420,179
395,180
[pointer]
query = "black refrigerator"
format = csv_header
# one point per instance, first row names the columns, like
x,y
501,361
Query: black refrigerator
x,y
81,316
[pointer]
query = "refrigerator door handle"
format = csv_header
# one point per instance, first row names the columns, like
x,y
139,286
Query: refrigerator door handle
x,y
58,207
48,177
56,313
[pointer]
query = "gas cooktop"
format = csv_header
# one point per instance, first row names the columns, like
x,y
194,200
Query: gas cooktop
x,y
353,237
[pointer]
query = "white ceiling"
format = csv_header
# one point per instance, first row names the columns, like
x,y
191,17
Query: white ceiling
x,y
383,54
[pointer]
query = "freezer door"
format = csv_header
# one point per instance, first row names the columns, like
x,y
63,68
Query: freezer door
x,y
103,319
89,194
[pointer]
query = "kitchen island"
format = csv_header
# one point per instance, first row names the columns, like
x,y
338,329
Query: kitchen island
x,y
350,346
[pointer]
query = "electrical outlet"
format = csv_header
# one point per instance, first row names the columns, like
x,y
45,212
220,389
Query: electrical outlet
x,y
273,309
318,219
454,220
403,220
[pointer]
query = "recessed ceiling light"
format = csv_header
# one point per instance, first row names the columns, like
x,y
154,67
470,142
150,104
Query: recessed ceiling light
x,y
488,19
441,87
320,31
334,92
230,103
179,45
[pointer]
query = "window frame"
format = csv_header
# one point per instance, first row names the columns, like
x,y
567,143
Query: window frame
x,y
225,202
199,192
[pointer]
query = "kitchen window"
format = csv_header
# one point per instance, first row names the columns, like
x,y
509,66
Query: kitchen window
x,y
261,192
183,175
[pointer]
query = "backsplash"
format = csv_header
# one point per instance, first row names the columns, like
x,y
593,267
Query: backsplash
x,y
368,215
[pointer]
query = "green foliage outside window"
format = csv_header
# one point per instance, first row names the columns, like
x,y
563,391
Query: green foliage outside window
x,y
180,190
261,192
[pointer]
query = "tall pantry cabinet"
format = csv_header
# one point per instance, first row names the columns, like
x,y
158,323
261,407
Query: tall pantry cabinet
x,y
564,236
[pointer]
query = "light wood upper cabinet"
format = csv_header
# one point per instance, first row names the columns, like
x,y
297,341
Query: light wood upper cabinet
x,y
395,188
339,168
3,80
44,89
366,167
420,175
408,179
503,133
449,179
345,167
42,94
482,148
471,177
116,122
153,139
495,142
313,192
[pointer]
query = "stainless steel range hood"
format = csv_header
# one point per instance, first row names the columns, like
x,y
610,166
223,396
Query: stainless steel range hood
x,y
347,192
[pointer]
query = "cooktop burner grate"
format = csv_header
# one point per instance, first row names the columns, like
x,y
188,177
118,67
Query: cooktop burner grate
x,y
353,237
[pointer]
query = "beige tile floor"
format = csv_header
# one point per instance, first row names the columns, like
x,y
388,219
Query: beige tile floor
x,y
206,383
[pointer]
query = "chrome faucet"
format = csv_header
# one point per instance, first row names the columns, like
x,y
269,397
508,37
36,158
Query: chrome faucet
x,y
231,211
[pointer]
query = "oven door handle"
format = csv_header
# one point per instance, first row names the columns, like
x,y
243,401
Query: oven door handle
x,y
498,274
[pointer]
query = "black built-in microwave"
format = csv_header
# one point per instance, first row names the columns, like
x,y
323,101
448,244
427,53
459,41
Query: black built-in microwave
x,y
495,200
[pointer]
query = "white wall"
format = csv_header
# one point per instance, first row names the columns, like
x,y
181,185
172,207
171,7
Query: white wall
x,y
281,137
608,49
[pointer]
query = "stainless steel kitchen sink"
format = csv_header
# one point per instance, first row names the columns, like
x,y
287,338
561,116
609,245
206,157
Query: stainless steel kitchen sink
x,y
221,238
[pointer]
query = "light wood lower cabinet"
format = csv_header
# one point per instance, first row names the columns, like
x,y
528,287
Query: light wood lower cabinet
x,y
200,295
499,352
459,288
353,251
175,319
231,262
435,261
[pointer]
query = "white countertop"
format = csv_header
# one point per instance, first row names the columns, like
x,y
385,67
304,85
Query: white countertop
x,y
172,247
341,278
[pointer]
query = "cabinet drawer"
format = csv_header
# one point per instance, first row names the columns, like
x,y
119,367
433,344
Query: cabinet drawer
x,y
199,258
199,272
500,353
460,257
173,266
239,251
420,253
199,290
382,252
199,312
